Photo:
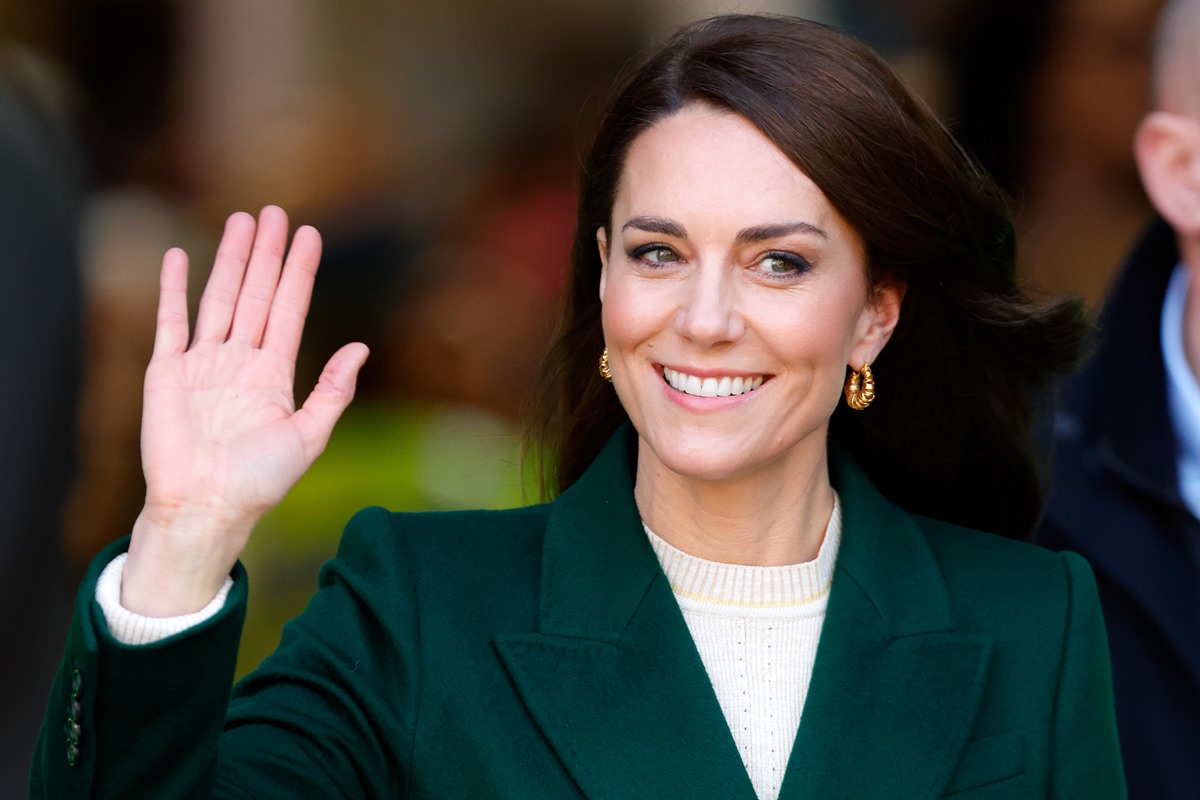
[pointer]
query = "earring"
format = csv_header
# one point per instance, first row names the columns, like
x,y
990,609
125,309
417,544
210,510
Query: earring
x,y
605,372
860,388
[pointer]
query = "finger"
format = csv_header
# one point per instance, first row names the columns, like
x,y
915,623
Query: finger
x,y
171,324
290,307
333,392
262,276
220,294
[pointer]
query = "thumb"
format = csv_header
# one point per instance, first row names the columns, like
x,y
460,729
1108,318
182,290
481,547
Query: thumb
x,y
329,398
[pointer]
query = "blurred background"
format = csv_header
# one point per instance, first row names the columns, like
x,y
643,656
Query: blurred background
x,y
435,144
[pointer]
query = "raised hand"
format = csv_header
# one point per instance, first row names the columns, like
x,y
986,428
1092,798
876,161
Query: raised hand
x,y
222,440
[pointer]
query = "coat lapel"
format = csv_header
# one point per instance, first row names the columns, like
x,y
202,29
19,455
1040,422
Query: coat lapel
x,y
612,676
616,685
895,688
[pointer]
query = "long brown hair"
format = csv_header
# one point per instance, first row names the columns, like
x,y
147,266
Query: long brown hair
x,y
949,435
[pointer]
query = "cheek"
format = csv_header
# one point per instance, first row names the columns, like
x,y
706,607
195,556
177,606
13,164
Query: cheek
x,y
821,319
817,338
628,316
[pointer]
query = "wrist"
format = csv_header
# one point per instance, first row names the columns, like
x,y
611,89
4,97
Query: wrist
x,y
136,629
178,566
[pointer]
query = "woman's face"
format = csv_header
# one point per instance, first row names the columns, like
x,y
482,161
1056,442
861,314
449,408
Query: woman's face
x,y
734,296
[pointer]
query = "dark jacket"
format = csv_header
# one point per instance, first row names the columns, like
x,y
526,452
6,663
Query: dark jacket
x,y
540,652
41,316
1115,499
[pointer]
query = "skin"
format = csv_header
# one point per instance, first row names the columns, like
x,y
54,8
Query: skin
x,y
724,259
222,440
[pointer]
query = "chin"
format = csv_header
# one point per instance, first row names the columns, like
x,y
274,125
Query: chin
x,y
708,456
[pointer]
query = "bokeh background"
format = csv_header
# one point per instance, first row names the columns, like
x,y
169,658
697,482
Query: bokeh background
x,y
435,145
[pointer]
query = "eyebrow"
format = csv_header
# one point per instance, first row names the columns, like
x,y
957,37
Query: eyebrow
x,y
656,225
758,233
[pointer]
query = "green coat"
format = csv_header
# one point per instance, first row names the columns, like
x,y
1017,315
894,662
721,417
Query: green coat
x,y
539,652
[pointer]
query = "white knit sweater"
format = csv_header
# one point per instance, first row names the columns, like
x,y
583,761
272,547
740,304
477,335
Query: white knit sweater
x,y
756,629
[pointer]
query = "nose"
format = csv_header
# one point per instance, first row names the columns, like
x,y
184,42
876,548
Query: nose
x,y
709,310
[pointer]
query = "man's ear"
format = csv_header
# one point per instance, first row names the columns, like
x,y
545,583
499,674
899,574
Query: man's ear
x,y
882,316
1167,149
602,243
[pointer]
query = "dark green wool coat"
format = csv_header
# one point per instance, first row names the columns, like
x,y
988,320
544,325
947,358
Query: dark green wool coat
x,y
539,652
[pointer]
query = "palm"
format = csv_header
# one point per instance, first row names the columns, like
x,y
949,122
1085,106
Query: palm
x,y
218,425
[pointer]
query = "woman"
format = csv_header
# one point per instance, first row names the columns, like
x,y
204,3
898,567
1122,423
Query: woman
x,y
763,206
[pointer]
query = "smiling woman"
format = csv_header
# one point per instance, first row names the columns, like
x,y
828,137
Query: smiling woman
x,y
743,588
727,262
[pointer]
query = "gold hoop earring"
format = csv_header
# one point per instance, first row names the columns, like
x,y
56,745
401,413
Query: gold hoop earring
x,y
605,372
860,388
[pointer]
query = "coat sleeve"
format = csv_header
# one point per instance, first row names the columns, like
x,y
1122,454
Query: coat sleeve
x,y
331,713
328,714
136,721
1085,755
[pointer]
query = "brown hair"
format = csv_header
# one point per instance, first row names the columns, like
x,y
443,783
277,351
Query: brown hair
x,y
948,435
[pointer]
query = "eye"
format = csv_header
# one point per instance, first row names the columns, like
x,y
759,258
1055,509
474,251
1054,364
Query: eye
x,y
654,254
782,265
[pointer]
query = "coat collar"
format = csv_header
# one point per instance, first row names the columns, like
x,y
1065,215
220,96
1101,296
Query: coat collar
x,y
895,686
616,684
1116,419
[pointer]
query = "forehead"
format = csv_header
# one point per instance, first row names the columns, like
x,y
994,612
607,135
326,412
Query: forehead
x,y
704,162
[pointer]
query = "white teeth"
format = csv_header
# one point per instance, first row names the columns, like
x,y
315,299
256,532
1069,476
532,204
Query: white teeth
x,y
725,386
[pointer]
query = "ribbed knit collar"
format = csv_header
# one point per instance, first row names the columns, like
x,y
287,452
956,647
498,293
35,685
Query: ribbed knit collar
x,y
740,586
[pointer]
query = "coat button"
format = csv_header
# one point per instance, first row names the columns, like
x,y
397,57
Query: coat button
x,y
72,729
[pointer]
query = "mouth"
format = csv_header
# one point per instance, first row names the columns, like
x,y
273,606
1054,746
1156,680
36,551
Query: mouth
x,y
722,386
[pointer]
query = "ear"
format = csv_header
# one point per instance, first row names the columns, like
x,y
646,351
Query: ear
x,y
879,319
602,243
1167,148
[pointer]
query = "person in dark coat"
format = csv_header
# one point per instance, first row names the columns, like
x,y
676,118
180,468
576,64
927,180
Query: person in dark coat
x,y
40,320
1126,483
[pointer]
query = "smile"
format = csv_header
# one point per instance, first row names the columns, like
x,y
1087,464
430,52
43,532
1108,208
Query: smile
x,y
725,386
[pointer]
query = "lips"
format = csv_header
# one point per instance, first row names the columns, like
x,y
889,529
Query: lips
x,y
713,386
